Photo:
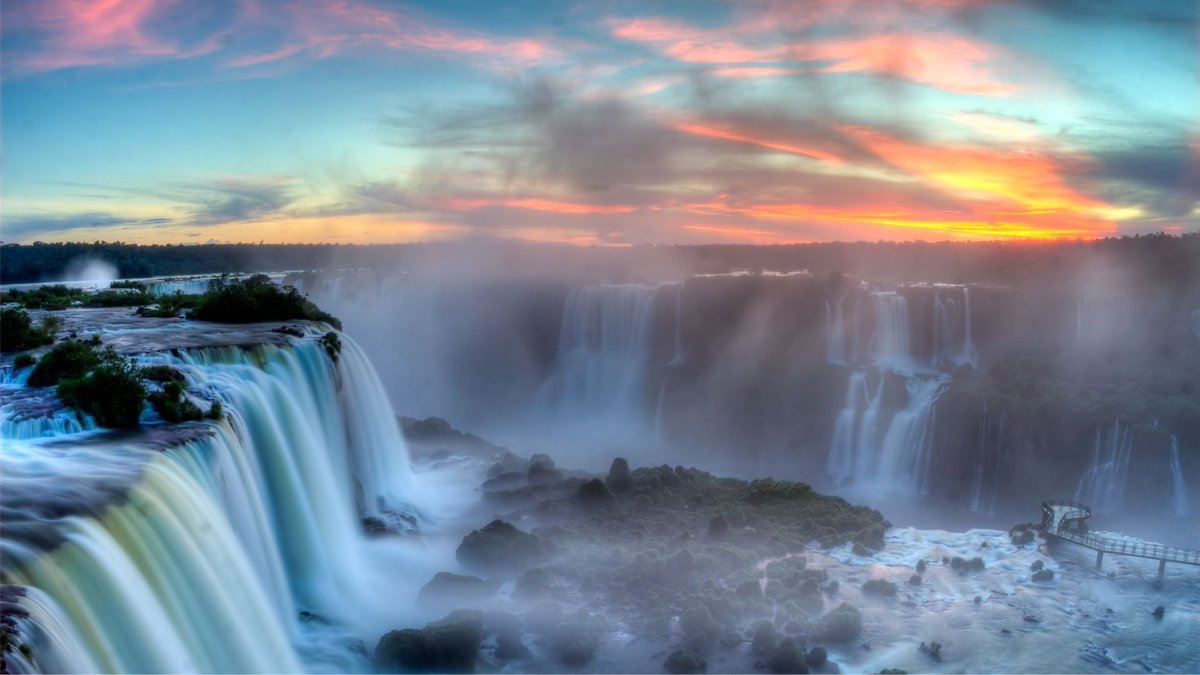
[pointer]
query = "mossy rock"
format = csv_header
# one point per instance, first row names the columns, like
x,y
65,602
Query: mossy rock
x,y
840,625
684,661
500,547
446,646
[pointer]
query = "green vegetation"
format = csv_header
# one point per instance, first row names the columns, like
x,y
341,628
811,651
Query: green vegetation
x,y
254,299
163,374
170,306
216,411
172,405
18,334
332,344
68,360
112,392
60,296
23,361
135,285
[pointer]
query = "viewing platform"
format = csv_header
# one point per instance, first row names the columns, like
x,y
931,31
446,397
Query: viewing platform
x,y
1068,521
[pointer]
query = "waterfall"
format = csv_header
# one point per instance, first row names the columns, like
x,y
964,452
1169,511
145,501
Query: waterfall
x,y
906,450
677,359
171,286
969,354
194,547
835,332
1102,486
941,331
891,343
599,377
840,465
989,460
1179,495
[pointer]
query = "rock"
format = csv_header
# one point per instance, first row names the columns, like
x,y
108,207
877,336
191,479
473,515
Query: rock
x,y
534,584
749,589
880,587
618,478
697,621
816,657
1158,612
1022,534
840,625
809,598
455,590
893,671
933,649
860,550
1043,575
914,580
921,566
683,661
718,527
975,564
509,646
594,494
731,639
574,642
501,547
446,646
542,474
765,639
1036,565
787,657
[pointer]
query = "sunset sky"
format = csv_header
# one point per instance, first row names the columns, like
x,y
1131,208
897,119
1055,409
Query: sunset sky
x,y
616,122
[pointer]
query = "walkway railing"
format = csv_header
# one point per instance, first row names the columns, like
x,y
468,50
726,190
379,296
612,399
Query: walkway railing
x,y
1058,515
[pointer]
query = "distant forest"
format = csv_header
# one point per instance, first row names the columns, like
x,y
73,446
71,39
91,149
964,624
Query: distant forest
x,y
1150,260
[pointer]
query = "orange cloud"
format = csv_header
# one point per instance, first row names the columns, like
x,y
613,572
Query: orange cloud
x,y
1025,178
534,204
698,129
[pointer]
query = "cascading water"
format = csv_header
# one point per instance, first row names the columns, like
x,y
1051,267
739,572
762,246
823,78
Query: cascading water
x,y
1103,485
989,461
875,443
599,377
969,353
891,342
941,331
835,332
172,286
1180,506
677,359
194,547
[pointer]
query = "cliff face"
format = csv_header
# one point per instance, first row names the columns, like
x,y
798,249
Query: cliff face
x,y
979,395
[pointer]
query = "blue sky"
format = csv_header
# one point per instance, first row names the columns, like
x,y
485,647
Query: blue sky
x,y
597,122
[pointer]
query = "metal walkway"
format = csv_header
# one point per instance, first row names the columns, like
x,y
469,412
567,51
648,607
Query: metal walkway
x,y
1068,521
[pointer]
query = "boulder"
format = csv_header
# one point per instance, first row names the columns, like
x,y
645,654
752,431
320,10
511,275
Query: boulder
x,y
446,646
594,494
840,625
500,547
1043,575
880,587
456,590
619,478
718,527
683,661
787,657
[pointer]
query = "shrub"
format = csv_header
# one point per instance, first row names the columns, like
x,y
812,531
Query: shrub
x,y
23,361
172,405
161,373
217,411
254,299
112,392
169,306
332,344
18,334
68,360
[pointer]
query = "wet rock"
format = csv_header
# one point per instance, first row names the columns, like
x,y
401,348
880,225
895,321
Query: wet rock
x,y
749,589
698,622
787,657
683,661
914,580
457,590
881,587
534,583
816,657
594,494
921,566
1158,612
765,639
618,479
1022,534
575,642
501,547
839,625
1043,575
718,527
446,646
1036,565
933,649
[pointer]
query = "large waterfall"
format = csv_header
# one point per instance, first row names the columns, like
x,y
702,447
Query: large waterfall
x,y
599,378
1103,484
197,547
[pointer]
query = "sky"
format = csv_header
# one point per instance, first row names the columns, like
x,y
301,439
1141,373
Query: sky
x,y
597,123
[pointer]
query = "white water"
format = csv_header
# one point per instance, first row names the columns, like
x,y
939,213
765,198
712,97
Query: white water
x,y
599,378
677,359
891,342
969,353
989,460
221,539
1179,496
835,331
1102,486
